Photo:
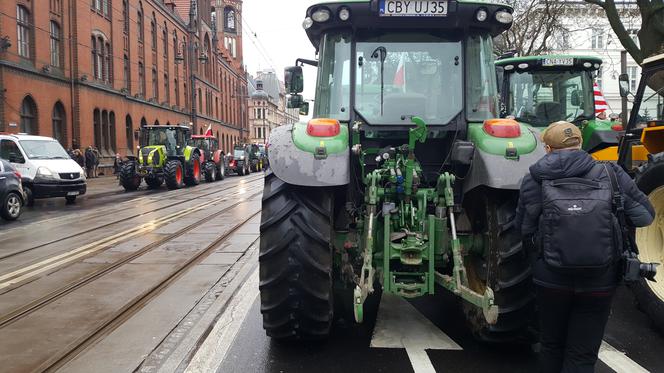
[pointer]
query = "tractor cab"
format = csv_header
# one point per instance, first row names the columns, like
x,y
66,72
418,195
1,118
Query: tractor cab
x,y
173,138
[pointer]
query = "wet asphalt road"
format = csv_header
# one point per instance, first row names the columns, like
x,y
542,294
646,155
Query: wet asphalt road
x,y
348,349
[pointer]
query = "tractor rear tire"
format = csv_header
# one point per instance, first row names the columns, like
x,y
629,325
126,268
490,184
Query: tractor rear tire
x,y
296,261
210,172
154,182
506,269
240,171
174,174
221,171
129,179
193,172
650,241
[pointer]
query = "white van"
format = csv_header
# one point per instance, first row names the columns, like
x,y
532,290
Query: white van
x,y
46,168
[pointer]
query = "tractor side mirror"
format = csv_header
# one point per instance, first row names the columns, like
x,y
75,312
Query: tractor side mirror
x,y
295,101
294,79
575,98
304,109
623,80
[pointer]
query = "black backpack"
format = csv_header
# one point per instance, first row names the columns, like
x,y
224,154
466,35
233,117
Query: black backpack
x,y
579,232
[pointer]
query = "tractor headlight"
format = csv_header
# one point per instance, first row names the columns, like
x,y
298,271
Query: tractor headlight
x,y
307,23
504,16
481,15
344,14
321,15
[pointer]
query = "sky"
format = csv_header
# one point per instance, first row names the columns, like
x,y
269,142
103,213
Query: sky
x,y
273,37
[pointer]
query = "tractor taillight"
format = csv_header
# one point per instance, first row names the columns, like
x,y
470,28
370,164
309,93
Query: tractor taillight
x,y
323,127
504,128
617,127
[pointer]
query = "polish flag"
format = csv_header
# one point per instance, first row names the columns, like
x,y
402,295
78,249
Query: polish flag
x,y
400,76
600,101
209,131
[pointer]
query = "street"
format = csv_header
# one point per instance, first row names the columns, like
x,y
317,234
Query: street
x,y
167,281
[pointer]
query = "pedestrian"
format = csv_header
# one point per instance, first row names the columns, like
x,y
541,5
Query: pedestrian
x,y
79,158
97,159
575,251
90,162
117,163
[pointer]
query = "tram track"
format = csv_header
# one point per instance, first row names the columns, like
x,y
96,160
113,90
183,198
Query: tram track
x,y
130,308
124,220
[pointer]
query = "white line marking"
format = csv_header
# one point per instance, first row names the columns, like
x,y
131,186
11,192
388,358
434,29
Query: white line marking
x,y
419,359
618,360
209,356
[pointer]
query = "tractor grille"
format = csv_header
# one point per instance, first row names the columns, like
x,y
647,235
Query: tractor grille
x,y
70,175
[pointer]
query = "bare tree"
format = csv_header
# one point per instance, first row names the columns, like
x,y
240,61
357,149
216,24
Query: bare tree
x,y
538,28
651,35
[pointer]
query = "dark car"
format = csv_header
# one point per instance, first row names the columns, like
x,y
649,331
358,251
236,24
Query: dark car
x,y
11,191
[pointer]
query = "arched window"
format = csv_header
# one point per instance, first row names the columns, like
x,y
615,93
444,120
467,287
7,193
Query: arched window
x,y
108,58
29,116
129,133
96,119
165,41
126,73
125,16
155,86
24,31
177,92
208,64
229,19
167,89
141,79
139,23
156,122
112,135
95,62
175,45
144,122
104,144
200,131
153,30
56,45
58,121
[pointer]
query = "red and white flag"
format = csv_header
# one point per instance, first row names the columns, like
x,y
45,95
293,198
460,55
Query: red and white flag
x,y
209,130
600,101
400,75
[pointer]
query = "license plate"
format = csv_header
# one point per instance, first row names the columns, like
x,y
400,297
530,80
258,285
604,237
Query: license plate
x,y
413,8
73,193
558,62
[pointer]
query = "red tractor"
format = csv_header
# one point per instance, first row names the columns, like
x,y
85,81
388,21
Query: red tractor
x,y
212,158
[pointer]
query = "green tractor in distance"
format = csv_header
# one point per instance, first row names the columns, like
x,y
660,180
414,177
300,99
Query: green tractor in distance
x,y
540,90
163,156
405,181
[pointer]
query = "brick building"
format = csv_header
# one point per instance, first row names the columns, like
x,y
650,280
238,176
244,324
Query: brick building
x,y
91,72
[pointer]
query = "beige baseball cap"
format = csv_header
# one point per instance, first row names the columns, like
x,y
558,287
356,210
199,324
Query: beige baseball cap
x,y
562,135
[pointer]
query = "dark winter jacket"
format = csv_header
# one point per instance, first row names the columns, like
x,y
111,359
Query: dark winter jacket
x,y
90,159
573,163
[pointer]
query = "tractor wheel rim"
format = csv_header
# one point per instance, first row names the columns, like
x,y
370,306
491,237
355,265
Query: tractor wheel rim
x,y
197,169
13,206
650,241
178,174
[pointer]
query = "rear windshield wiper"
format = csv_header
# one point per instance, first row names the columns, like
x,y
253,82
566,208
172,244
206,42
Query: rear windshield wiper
x,y
381,53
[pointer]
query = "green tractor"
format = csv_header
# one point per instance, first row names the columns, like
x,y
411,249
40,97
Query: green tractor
x,y
540,90
163,156
406,181
646,129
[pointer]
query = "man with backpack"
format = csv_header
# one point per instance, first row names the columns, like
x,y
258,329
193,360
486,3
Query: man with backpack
x,y
570,218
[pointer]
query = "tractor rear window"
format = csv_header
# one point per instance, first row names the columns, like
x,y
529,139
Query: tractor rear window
x,y
404,74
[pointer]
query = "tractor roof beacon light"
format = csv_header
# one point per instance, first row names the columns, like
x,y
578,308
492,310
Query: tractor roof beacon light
x,y
322,127
504,17
307,23
321,15
344,14
503,128
481,15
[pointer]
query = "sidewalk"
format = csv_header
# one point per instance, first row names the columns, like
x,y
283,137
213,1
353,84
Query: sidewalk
x,y
103,185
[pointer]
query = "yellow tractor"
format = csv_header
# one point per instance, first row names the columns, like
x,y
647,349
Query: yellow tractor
x,y
645,129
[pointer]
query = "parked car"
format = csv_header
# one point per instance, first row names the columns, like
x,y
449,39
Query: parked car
x,y
11,191
46,168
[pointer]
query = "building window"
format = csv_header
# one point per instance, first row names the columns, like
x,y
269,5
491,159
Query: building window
x,y
229,19
96,120
634,35
144,122
177,92
56,6
597,38
129,133
23,29
56,52
58,121
165,41
200,101
186,95
141,79
153,30
139,24
633,72
105,6
112,138
29,116
95,62
155,86
167,89
108,58
126,73
125,16
103,135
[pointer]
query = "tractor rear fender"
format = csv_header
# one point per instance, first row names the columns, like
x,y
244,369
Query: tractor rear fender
x,y
496,169
300,159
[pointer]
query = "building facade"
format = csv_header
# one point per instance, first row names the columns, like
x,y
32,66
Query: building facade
x,y
267,106
90,73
